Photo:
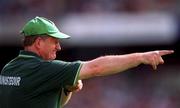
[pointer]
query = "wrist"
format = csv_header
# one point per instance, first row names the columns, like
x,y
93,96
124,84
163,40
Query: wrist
x,y
139,58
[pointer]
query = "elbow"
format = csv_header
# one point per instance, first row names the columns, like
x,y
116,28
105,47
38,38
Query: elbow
x,y
97,70
91,69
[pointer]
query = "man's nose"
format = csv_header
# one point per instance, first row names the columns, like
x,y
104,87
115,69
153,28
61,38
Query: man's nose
x,y
58,47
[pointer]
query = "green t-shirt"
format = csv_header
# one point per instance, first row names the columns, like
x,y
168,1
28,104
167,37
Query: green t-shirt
x,y
28,81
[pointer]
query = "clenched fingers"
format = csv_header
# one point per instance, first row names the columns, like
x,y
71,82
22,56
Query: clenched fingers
x,y
76,87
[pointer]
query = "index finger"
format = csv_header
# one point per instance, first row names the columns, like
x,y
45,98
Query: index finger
x,y
165,52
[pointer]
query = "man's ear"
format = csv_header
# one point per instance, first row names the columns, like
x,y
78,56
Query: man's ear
x,y
38,42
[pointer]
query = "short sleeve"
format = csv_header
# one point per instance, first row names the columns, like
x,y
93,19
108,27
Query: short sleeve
x,y
58,74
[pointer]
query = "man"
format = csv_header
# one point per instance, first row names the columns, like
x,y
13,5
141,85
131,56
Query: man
x,y
35,80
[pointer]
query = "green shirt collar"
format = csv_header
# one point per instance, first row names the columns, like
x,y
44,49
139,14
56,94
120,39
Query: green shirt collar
x,y
28,54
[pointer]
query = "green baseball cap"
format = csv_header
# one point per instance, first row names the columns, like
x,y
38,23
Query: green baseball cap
x,y
42,26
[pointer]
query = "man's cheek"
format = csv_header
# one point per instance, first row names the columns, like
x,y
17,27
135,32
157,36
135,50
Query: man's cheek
x,y
53,55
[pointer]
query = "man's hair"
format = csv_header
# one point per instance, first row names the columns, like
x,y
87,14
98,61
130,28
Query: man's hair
x,y
29,40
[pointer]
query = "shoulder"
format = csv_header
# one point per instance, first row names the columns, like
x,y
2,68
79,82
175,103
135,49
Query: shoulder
x,y
58,63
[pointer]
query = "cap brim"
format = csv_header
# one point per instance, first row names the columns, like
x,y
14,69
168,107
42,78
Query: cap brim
x,y
60,35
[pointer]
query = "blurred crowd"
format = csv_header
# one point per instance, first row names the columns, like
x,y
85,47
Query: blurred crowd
x,y
59,7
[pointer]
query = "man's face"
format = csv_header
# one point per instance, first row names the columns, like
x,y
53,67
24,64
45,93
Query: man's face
x,y
49,47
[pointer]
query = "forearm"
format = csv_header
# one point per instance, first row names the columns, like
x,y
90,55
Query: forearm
x,y
110,65
114,64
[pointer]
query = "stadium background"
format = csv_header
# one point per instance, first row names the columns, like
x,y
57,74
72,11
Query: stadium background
x,y
102,27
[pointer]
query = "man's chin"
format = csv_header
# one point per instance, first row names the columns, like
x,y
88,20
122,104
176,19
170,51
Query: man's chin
x,y
53,57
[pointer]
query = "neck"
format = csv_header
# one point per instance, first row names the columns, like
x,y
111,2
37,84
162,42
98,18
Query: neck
x,y
32,49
